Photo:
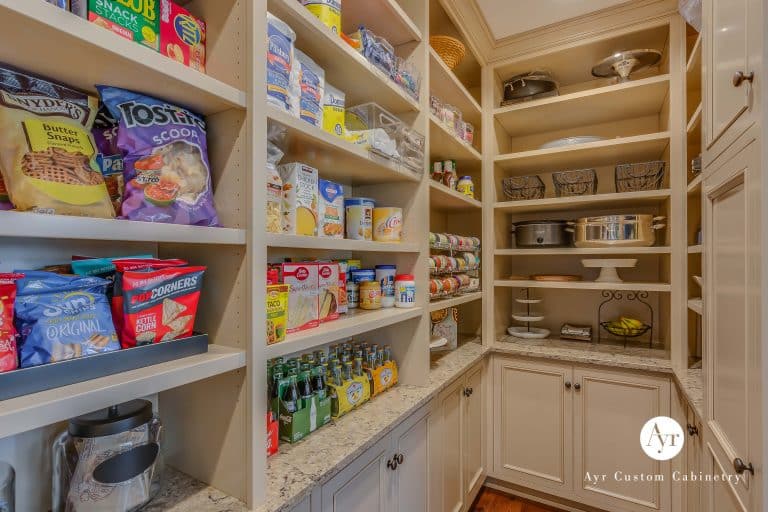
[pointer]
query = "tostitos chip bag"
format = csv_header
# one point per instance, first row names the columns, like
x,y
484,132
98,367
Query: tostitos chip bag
x,y
160,305
9,359
165,159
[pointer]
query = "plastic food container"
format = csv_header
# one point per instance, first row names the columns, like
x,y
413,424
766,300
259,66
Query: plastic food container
x,y
370,295
363,274
387,224
358,212
410,146
466,186
405,291
353,295
374,128
385,275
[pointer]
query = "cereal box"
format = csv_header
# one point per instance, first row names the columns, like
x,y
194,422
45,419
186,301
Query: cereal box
x,y
330,209
277,312
303,311
299,199
182,36
328,281
137,20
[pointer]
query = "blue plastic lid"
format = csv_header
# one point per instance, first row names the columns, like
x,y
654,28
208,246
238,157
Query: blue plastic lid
x,y
466,177
359,201
386,267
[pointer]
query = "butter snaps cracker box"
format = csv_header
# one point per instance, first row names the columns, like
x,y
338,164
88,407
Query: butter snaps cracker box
x,y
137,20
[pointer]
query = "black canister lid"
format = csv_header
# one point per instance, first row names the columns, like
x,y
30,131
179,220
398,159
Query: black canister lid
x,y
112,420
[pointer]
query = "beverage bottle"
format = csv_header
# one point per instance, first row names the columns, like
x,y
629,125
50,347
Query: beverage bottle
x,y
275,388
387,353
357,367
290,396
347,371
318,382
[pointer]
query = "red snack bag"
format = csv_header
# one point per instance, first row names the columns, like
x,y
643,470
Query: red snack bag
x,y
135,265
160,305
8,354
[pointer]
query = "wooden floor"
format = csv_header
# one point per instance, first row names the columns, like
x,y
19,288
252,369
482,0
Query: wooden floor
x,y
490,500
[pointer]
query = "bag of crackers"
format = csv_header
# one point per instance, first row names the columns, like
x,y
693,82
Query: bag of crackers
x,y
47,152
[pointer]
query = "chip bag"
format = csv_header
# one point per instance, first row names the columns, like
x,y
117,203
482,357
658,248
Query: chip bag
x,y
5,201
9,359
62,317
160,305
46,148
165,157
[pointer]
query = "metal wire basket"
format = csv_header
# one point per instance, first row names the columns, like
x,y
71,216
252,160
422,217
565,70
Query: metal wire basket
x,y
577,182
520,188
640,176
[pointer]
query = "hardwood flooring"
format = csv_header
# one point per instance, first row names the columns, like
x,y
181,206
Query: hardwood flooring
x,y
490,500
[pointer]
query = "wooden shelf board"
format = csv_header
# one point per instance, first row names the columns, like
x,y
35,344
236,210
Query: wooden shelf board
x,y
79,53
584,285
696,305
335,244
455,301
637,98
695,184
555,204
636,148
695,55
577,251
335,158
35,225
384,18
39,409
694,121
695,249
693,68
356,322
446,199
344,67
444,145
444,84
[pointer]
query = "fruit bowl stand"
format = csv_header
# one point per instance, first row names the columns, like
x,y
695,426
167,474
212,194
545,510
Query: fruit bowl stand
x,y
624,332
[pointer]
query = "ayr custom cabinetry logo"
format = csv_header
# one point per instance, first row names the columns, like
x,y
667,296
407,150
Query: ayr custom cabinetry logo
x,y
662,438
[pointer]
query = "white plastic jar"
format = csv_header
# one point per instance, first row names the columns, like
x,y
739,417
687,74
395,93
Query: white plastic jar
x,y
405,291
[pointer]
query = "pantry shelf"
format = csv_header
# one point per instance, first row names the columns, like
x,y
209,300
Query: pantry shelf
x,y
446,199
637,98
444,145
615,200
637,148
344,67
384,18
47,407
355,322
696,305
455,301
444,84
335,158
695,249
55,43
35,225
584,285
695,185
694,124
575,251
693,67
335,244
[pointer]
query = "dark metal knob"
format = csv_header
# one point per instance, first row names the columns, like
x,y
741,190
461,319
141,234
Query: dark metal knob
x,y
466,392
392,463
693,430
740,77
740,467
540,240
577,386
470,391
567,384
399,458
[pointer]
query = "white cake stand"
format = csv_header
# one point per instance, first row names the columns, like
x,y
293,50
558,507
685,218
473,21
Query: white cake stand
x,y
528,317
530,333
608,273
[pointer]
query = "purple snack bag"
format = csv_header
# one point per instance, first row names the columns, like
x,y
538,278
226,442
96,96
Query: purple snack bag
x,y
109,158
165,158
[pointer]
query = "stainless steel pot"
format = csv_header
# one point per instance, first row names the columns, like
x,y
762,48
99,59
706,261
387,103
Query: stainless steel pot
x,y
616,231
541,233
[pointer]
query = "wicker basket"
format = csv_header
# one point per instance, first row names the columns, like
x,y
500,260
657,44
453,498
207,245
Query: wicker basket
x,y
521,188
640,176
578,182
450,49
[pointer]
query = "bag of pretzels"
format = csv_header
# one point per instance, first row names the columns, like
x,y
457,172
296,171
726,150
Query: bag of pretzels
x,y
47,152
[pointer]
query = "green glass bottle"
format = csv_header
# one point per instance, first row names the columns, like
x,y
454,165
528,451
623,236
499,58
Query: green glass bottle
x,y
290,398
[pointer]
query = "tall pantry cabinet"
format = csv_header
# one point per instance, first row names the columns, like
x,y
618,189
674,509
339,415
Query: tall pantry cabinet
x,y
734,234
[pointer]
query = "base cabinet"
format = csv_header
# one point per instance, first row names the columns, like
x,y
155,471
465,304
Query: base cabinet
x,y
574,432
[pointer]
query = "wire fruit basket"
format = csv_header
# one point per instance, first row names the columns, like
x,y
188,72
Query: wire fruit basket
x,y
578,182
520,188
640,176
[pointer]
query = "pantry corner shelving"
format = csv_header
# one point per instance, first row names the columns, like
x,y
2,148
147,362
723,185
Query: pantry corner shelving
x,y
696,305
554,204
384,17
444,144
458,300
338,244
566,251
583,285
445,85
446,199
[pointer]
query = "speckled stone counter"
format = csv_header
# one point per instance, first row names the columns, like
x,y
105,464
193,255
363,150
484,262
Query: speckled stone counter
x,y
182,493
691,384
635,358
297,469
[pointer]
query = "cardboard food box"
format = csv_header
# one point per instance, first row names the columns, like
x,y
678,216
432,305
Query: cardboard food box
x,y
300,183
277,312
137,20
182,36
303,308
331,209
312,414
328,284
349,395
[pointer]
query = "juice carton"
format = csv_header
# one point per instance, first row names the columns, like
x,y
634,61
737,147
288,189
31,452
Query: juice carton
x,y
300,183
182,36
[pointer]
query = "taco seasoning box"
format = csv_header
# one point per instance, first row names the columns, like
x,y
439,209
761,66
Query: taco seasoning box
x,y
182,36
359,218
137,20
385,275
334,102
299,199
405,291
387,224
303,309
330,209
466,186
277,312
328,285
370,295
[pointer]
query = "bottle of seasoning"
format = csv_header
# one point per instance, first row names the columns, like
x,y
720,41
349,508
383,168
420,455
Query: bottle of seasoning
x,y
466,186
449,174
405,291
370,295
437,171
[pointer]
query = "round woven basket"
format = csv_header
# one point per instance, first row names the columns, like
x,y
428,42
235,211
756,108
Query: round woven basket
x,y
450,49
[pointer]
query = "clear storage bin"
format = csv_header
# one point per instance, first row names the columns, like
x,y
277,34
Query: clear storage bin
x,y
372,127
410,145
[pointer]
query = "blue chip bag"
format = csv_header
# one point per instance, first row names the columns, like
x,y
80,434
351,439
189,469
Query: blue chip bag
x,y
62,317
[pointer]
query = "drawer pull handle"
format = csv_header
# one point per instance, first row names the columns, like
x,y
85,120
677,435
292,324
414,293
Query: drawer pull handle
x,y
577,386
399,458
740,467
392,463
740,77
693,430
567,384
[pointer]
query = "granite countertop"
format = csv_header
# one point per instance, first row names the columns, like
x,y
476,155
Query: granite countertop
x,y
635,358
298,468
692,385
182,493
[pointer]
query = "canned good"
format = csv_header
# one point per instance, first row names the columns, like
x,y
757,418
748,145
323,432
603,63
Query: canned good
x,y
370,295
387,224
359,218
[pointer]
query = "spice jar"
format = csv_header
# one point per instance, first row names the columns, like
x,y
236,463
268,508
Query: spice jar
x,y
370,295
466,186
405,291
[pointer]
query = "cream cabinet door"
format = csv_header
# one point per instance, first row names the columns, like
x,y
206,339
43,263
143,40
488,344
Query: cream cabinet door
x,y
452,426
474,435
610,409
435,457
532,426
410,475
720,496
363,486
694,454
733,315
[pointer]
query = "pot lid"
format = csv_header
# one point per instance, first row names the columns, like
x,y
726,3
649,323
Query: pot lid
x,y
112,420
528,84
545,222
622,64
616,218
